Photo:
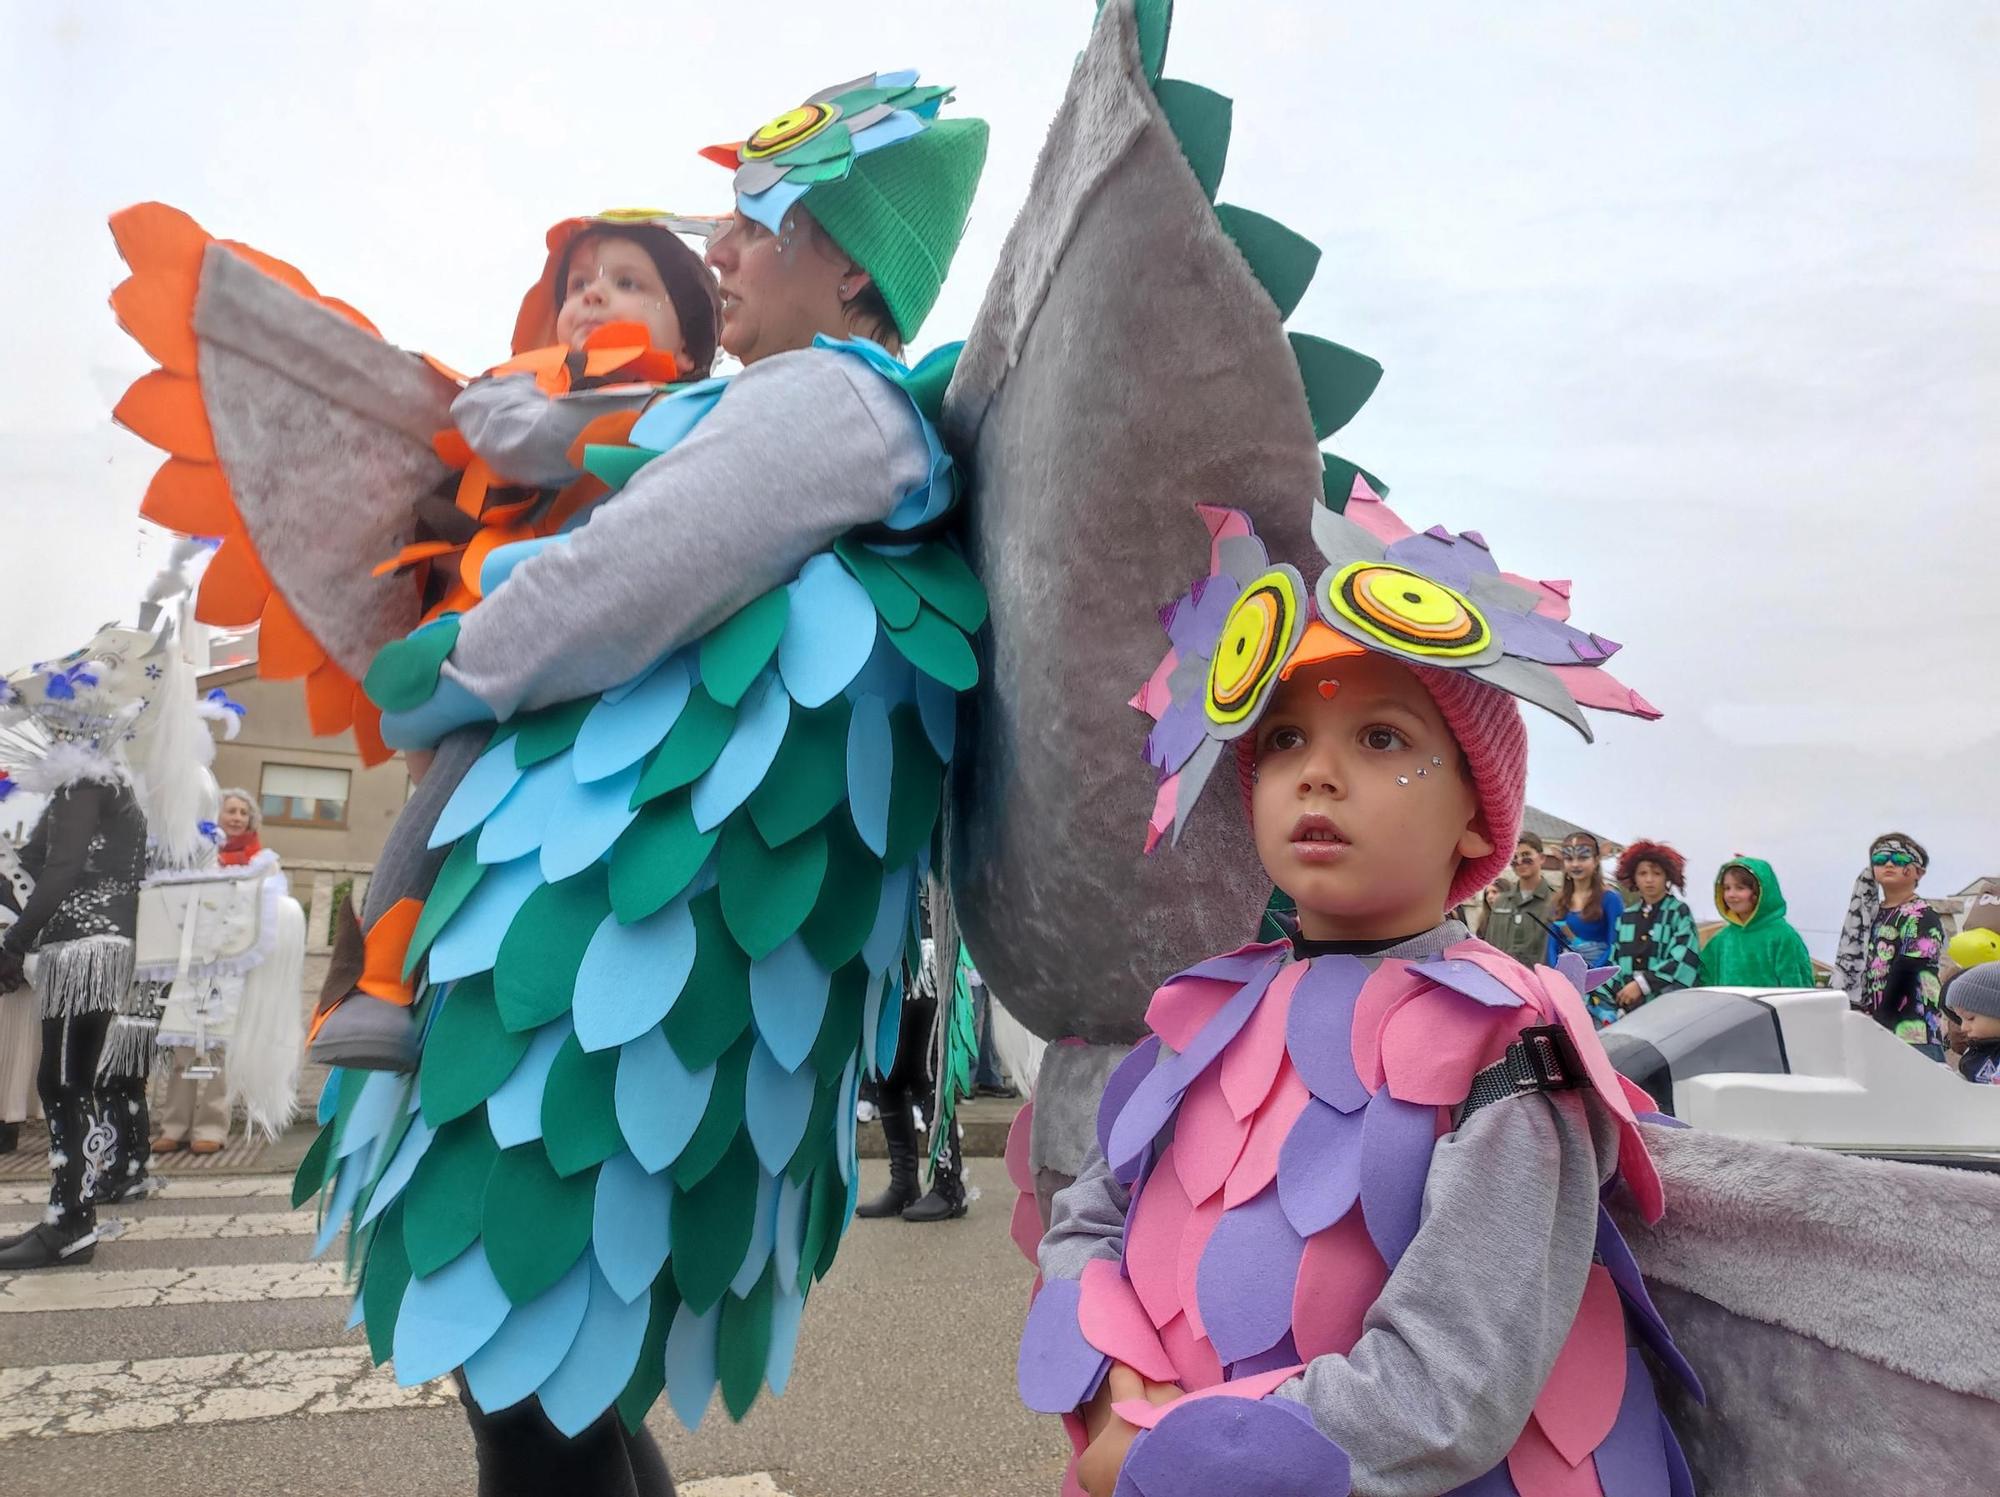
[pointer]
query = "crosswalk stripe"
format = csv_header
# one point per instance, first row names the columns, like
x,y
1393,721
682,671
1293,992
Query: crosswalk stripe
x,y
756,1484
177,1188
194,1228
137,1288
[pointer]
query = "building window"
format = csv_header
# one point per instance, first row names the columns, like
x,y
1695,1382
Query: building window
x,y
301,795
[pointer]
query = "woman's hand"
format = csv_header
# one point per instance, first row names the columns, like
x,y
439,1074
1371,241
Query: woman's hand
x,y
1110,1436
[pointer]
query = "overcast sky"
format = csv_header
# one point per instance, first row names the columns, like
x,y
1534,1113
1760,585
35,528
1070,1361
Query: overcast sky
x,y
1693,303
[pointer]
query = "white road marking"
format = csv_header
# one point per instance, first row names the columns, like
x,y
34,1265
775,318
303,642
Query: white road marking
x,y
756,1484
193,1228
178,1188
137,1288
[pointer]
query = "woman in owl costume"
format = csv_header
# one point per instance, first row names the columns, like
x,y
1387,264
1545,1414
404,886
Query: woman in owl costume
x,y
689,762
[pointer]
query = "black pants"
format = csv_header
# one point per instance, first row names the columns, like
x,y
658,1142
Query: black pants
x,y
66,1080
521,1454
122,1115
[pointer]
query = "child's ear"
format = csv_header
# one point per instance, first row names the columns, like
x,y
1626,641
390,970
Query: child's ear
x,y
1475,842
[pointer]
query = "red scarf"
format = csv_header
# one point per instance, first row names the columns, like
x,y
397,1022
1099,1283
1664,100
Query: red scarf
x,y
239,849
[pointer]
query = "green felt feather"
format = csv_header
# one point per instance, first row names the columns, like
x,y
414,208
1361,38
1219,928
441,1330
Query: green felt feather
x,y
734,651
548,732
467,1053
937,647
442,1203
926,384
535,1222
579,1111
1282,261
712,1225
717,1131
456,879
315,1167
534,976
1201,120
840,1027
767,892
615,464
817,1147
383,1281
404,673
1338,381
941,577
825,1198
717,1009
1337,481
743,1345
656,857
809,776
649,1378
915,787
691,746
849,898
894,599
835,142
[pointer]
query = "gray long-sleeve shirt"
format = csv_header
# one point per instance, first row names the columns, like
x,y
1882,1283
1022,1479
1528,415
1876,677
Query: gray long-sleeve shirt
x,y
1463,1335
801,448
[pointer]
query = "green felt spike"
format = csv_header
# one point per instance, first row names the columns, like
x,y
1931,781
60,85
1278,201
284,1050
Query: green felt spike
x,y
1282,261
941,576
1337,477
313,1169
1338,381
550,731
894,599
579,1109
926,384
404,673
717,1131
849,897
1155,19
467,1053
534,975
743,1345
615,464
916,787
1201,120
742,645
935,646
816,1145
712,1224
383,1282
535,1221
809,776
693,744
649,1378
443,1201
714,1006
656,857
455,881
840,1028
767,892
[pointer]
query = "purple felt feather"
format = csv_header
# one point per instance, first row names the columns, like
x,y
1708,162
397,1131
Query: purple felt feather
x,y
1179,732
1122,1082
1469,979
1632,1461
1195,622
1536,636
1057,1369
1284,1354
1319,1167
1440,556
1499,1482
1319,1031
1254,1447
1247,1277
1396,1142
1616,1255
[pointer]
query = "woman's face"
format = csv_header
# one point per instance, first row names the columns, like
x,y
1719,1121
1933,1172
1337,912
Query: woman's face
x,y
1650,879
612,279
780,291
235,819
1580,860
1739,893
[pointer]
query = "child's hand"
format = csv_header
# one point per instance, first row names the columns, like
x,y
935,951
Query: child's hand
x,y
1110,1436
1628,996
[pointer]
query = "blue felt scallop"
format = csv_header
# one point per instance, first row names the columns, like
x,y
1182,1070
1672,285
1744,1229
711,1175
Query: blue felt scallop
x,y
829,632
479,793
514,1111
533,1342
659,1101
346,1191
761,1231
892,919
761,720
620,733
788,993
502,561
667,421
471,938
631,975
843,1119
631,1217
885,1010
446,1317
691,1362
870,763
518,825
600,1361
329,1094
788,1231
408,1153
937,705
356,1314
374,1112
587,820
787,1305
888,675
777,1101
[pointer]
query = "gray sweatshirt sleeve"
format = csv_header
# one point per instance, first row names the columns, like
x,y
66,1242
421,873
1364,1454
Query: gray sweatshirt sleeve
x,y
801,448
1463,1335
1086,1220
524,435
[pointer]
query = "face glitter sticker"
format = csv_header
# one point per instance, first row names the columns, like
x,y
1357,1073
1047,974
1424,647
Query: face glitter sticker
x,y
1405,610
793,127
1263,627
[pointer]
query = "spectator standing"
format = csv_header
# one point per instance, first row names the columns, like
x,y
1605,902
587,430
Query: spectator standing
x,y
1655,948
1584,911
1899,984
1517,920
1756,947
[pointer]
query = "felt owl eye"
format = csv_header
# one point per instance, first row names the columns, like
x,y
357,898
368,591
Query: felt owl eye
x,y
788,129
1405,610
1261,631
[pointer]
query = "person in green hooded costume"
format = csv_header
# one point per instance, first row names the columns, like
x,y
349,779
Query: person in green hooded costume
x,y
1756,947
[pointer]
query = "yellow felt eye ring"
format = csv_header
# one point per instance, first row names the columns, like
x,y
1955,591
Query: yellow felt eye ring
x,y
1408,611
1261,631
788,130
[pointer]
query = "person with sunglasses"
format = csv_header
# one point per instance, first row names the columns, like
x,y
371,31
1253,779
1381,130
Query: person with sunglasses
x,y
1899,979
1516,920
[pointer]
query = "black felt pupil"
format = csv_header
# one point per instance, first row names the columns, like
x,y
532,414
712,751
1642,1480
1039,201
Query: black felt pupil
x,y
1413,597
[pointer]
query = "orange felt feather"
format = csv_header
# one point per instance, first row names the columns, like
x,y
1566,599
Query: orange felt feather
x,y
410,555
452,448
166,410
368,731
152,307
191,498
234,588
611,430
329,700
285,651
153,237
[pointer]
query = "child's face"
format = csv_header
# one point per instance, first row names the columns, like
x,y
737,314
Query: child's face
x,y
1897,881
612,279
1362,810
1527,865
779,291
1650,879
1978,1028
1581,860
1739,893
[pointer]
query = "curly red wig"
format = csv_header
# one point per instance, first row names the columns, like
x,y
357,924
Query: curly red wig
x,y
1670,863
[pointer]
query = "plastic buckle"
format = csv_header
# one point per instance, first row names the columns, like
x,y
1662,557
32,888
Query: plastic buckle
x,y
1549,1059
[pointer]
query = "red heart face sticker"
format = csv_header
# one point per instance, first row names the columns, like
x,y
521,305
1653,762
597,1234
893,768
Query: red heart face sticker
x,y
1328,688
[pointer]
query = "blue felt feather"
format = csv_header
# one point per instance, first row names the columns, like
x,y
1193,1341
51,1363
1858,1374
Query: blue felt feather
x,y
493,774
891,930
788,993
374,1112
937,706
514,1111
621,733
691,1362
447,1316
346,1190
533,1342
888,674
667,421
870,764
776,1105
753,743
829,633
408,1154
788,1231
787,1305
630,1222
659,1102
471,938
600,1361
762,1228
518,825
843,1119
631,975
587,820
329,1094
882,1020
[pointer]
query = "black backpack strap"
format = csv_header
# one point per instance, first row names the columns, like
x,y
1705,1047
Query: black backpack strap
x,y
1542,1059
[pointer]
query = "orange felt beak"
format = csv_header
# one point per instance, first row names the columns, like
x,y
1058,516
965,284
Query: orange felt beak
x,y
1319,645
729,154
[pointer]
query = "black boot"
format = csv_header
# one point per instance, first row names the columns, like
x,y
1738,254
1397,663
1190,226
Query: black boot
x,y
10,1137
899,1129
48,1247
946,1200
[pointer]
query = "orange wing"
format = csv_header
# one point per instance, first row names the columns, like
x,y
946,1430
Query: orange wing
x,y
190,493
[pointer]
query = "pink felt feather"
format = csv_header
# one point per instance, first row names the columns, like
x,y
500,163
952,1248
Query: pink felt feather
x,y
1018,1134
1340,1276
1208,1137
1025,1228
1195,1363
1517,979
1112,1320
1551,598
1180,1009
1539,1470
1257,1166
1223,524
1156,696
1579,1403
1153,1243
1145,1415
1388,986
1642,1178
1201,1224
1594,686
1438,1040
1366,509
1250,1064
